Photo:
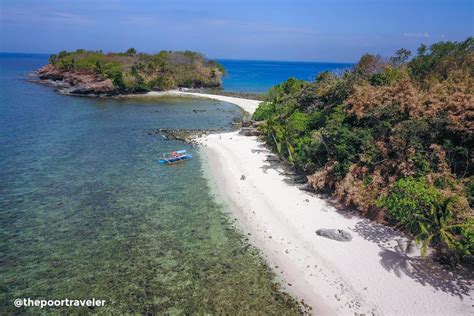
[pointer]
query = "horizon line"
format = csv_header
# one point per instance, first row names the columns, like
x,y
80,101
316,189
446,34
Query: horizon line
x,y
219,58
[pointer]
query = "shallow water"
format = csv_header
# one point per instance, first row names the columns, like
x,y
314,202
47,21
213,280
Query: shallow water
x,y
86,211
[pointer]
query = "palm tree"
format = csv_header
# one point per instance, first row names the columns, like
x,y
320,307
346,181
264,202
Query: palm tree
x,y
436,226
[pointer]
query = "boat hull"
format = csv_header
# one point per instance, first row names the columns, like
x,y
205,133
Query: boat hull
x,y
174,160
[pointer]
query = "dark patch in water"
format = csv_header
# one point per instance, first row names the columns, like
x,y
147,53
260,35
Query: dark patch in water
x,y
86,211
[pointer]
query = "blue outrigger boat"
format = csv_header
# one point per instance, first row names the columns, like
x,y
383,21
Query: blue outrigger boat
x,y
174,157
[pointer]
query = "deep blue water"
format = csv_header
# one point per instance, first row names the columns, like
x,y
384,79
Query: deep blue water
x,y
259,76
86,211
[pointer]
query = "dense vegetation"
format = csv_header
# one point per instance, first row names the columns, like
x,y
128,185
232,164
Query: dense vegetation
x,y
392,137
136,72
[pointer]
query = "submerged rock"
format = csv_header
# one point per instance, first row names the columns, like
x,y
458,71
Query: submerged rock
x,y
184,135
335,234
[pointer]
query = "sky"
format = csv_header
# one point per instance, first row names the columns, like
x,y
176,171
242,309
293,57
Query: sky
x,y
300,30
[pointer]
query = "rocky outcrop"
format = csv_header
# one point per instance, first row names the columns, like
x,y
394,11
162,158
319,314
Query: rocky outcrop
x,y
249,131
184,135
335,234
250,128
252,123
75,81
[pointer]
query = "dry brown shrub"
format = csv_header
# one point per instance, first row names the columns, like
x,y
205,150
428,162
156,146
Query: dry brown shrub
x,y
374,101
453,97
353,191
323,178
438,156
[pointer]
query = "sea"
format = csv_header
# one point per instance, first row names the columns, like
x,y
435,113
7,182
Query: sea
x,y
257,76
87,212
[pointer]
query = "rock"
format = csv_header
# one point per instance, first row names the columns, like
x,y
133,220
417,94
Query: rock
x,y
184,135
300,179
273,158
76,81
249,131
335,234
237,124
247,123
242,177
307,188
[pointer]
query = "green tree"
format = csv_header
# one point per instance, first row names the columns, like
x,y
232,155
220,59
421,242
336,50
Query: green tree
x,y
401,56
118,81
99,67
53,59
131,51
421,51
408,199
62,54
438,226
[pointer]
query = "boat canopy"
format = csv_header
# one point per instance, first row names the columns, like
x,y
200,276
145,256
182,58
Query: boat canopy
x,y
174,153
174,157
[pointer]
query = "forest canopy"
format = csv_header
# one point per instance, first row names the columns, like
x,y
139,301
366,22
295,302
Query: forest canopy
x,y
131,71
392,137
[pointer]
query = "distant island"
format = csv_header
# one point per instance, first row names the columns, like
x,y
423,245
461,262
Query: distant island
x,y
86,72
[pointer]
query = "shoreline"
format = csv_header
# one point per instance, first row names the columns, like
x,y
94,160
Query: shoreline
x,y
249,106
222,191
369,274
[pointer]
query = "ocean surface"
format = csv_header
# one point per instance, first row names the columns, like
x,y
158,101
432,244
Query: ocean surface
x,y
86,211
258,76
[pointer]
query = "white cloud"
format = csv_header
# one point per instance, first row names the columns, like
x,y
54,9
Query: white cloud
x,y
24,17
417,35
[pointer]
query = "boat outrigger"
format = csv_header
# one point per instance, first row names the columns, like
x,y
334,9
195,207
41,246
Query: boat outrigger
x,y
175,157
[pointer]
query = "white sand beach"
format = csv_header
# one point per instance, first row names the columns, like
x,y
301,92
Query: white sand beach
x,y
369,274
247,105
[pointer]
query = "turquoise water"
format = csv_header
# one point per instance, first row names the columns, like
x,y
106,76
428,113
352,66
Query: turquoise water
x,y
86,211
259,76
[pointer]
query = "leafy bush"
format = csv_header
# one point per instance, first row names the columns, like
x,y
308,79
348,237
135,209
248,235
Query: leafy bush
x,y
388,127
429,216
470,190
52,59
134,72
438,226
408,199
467,237
264,111
131,51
